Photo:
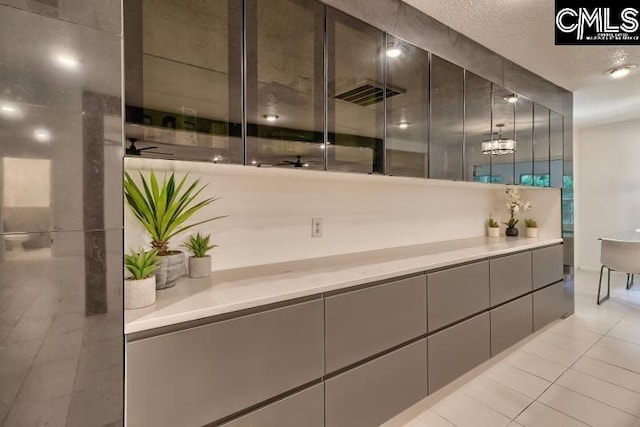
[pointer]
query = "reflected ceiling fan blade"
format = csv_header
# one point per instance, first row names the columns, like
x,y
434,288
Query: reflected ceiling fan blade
x,y
147,148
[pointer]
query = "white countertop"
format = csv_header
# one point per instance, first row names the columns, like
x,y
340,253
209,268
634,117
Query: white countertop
x,y
231,290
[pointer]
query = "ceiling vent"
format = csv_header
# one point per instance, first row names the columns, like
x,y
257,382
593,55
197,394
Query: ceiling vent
x,y
367,93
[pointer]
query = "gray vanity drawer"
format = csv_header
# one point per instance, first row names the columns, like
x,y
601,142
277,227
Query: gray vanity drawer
x,y
305,408
510,323
199,375
458,349
370,394
362,323
510,277
548,305
457,293
547,266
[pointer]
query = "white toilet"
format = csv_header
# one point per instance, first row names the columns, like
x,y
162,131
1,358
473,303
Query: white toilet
x,y
15,242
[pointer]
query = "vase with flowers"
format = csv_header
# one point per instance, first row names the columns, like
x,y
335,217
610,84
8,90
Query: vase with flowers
x,y
515,204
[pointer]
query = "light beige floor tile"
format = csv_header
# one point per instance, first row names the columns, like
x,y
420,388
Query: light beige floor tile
x,y
547,350
539,415
568,328
585,409
610,373
429,419
626,330
602,391
535,365
616,352
496,396
515,379
463,411
514,424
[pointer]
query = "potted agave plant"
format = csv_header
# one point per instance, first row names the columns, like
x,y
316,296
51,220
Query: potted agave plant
x,y
140,288
200,262
493,228
164,208
532,227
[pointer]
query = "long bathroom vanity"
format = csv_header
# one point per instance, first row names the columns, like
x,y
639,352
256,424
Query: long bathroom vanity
x,y
342,341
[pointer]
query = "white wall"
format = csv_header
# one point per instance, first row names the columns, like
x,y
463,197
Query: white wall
x,y
270,211
607,192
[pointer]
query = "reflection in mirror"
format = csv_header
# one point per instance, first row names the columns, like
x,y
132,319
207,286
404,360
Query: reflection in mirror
x,y
407,113
26,205
285,83
524,136
503,107
556,143
477,127
183,79
447,113
355,94
541,177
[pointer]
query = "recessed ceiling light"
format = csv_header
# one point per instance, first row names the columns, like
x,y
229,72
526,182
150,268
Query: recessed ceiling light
x,y
42,135
216,159
403,125
271,117
394,52
67,61
9,110
306,165
620,72
513,98
253,162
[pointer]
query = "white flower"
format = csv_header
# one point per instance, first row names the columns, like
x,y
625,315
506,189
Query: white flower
x,y
516,209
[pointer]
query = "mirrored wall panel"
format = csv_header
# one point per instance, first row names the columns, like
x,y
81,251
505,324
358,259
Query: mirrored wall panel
x,y
285,83
477,128
505,144
184,81
556,145
447,116
355,52
541,170
524,145
407,112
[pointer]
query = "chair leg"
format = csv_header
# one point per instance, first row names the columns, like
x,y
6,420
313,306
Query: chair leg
x,y
630,280
600,301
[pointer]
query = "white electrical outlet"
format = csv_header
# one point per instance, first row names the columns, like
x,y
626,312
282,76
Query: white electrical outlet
x,y
316,227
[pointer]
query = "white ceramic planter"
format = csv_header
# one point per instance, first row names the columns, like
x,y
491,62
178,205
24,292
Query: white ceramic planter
x,y
199,266
493,231
139,293
532,232
171,268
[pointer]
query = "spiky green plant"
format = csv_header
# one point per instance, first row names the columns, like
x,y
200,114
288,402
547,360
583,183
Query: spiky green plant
x,y
164,208
199,245
492,223
142,264
530,223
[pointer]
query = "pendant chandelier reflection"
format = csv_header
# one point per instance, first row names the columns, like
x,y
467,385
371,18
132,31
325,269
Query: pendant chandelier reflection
x,y
500,146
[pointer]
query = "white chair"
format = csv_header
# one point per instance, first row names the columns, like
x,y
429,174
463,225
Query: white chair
x,y
618,255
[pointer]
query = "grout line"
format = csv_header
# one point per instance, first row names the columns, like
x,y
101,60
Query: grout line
x,y
560,412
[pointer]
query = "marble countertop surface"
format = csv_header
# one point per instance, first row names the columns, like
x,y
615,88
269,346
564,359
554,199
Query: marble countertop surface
x,y
238,289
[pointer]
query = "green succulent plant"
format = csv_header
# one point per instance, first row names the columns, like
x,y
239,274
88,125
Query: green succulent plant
x,y
142,264
492,223
164,208
199,245
530,223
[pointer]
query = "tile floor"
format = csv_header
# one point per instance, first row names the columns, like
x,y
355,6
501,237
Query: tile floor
x,y
581,371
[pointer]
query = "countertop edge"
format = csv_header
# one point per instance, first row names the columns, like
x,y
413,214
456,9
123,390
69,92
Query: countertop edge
x,y
154,320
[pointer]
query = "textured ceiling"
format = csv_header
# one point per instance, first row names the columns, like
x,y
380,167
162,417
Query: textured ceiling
x,y
523,31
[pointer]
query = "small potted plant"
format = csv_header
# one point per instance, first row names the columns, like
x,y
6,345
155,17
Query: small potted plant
x,y
532,227
493,228
200,262
140,288
515,204
163,208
